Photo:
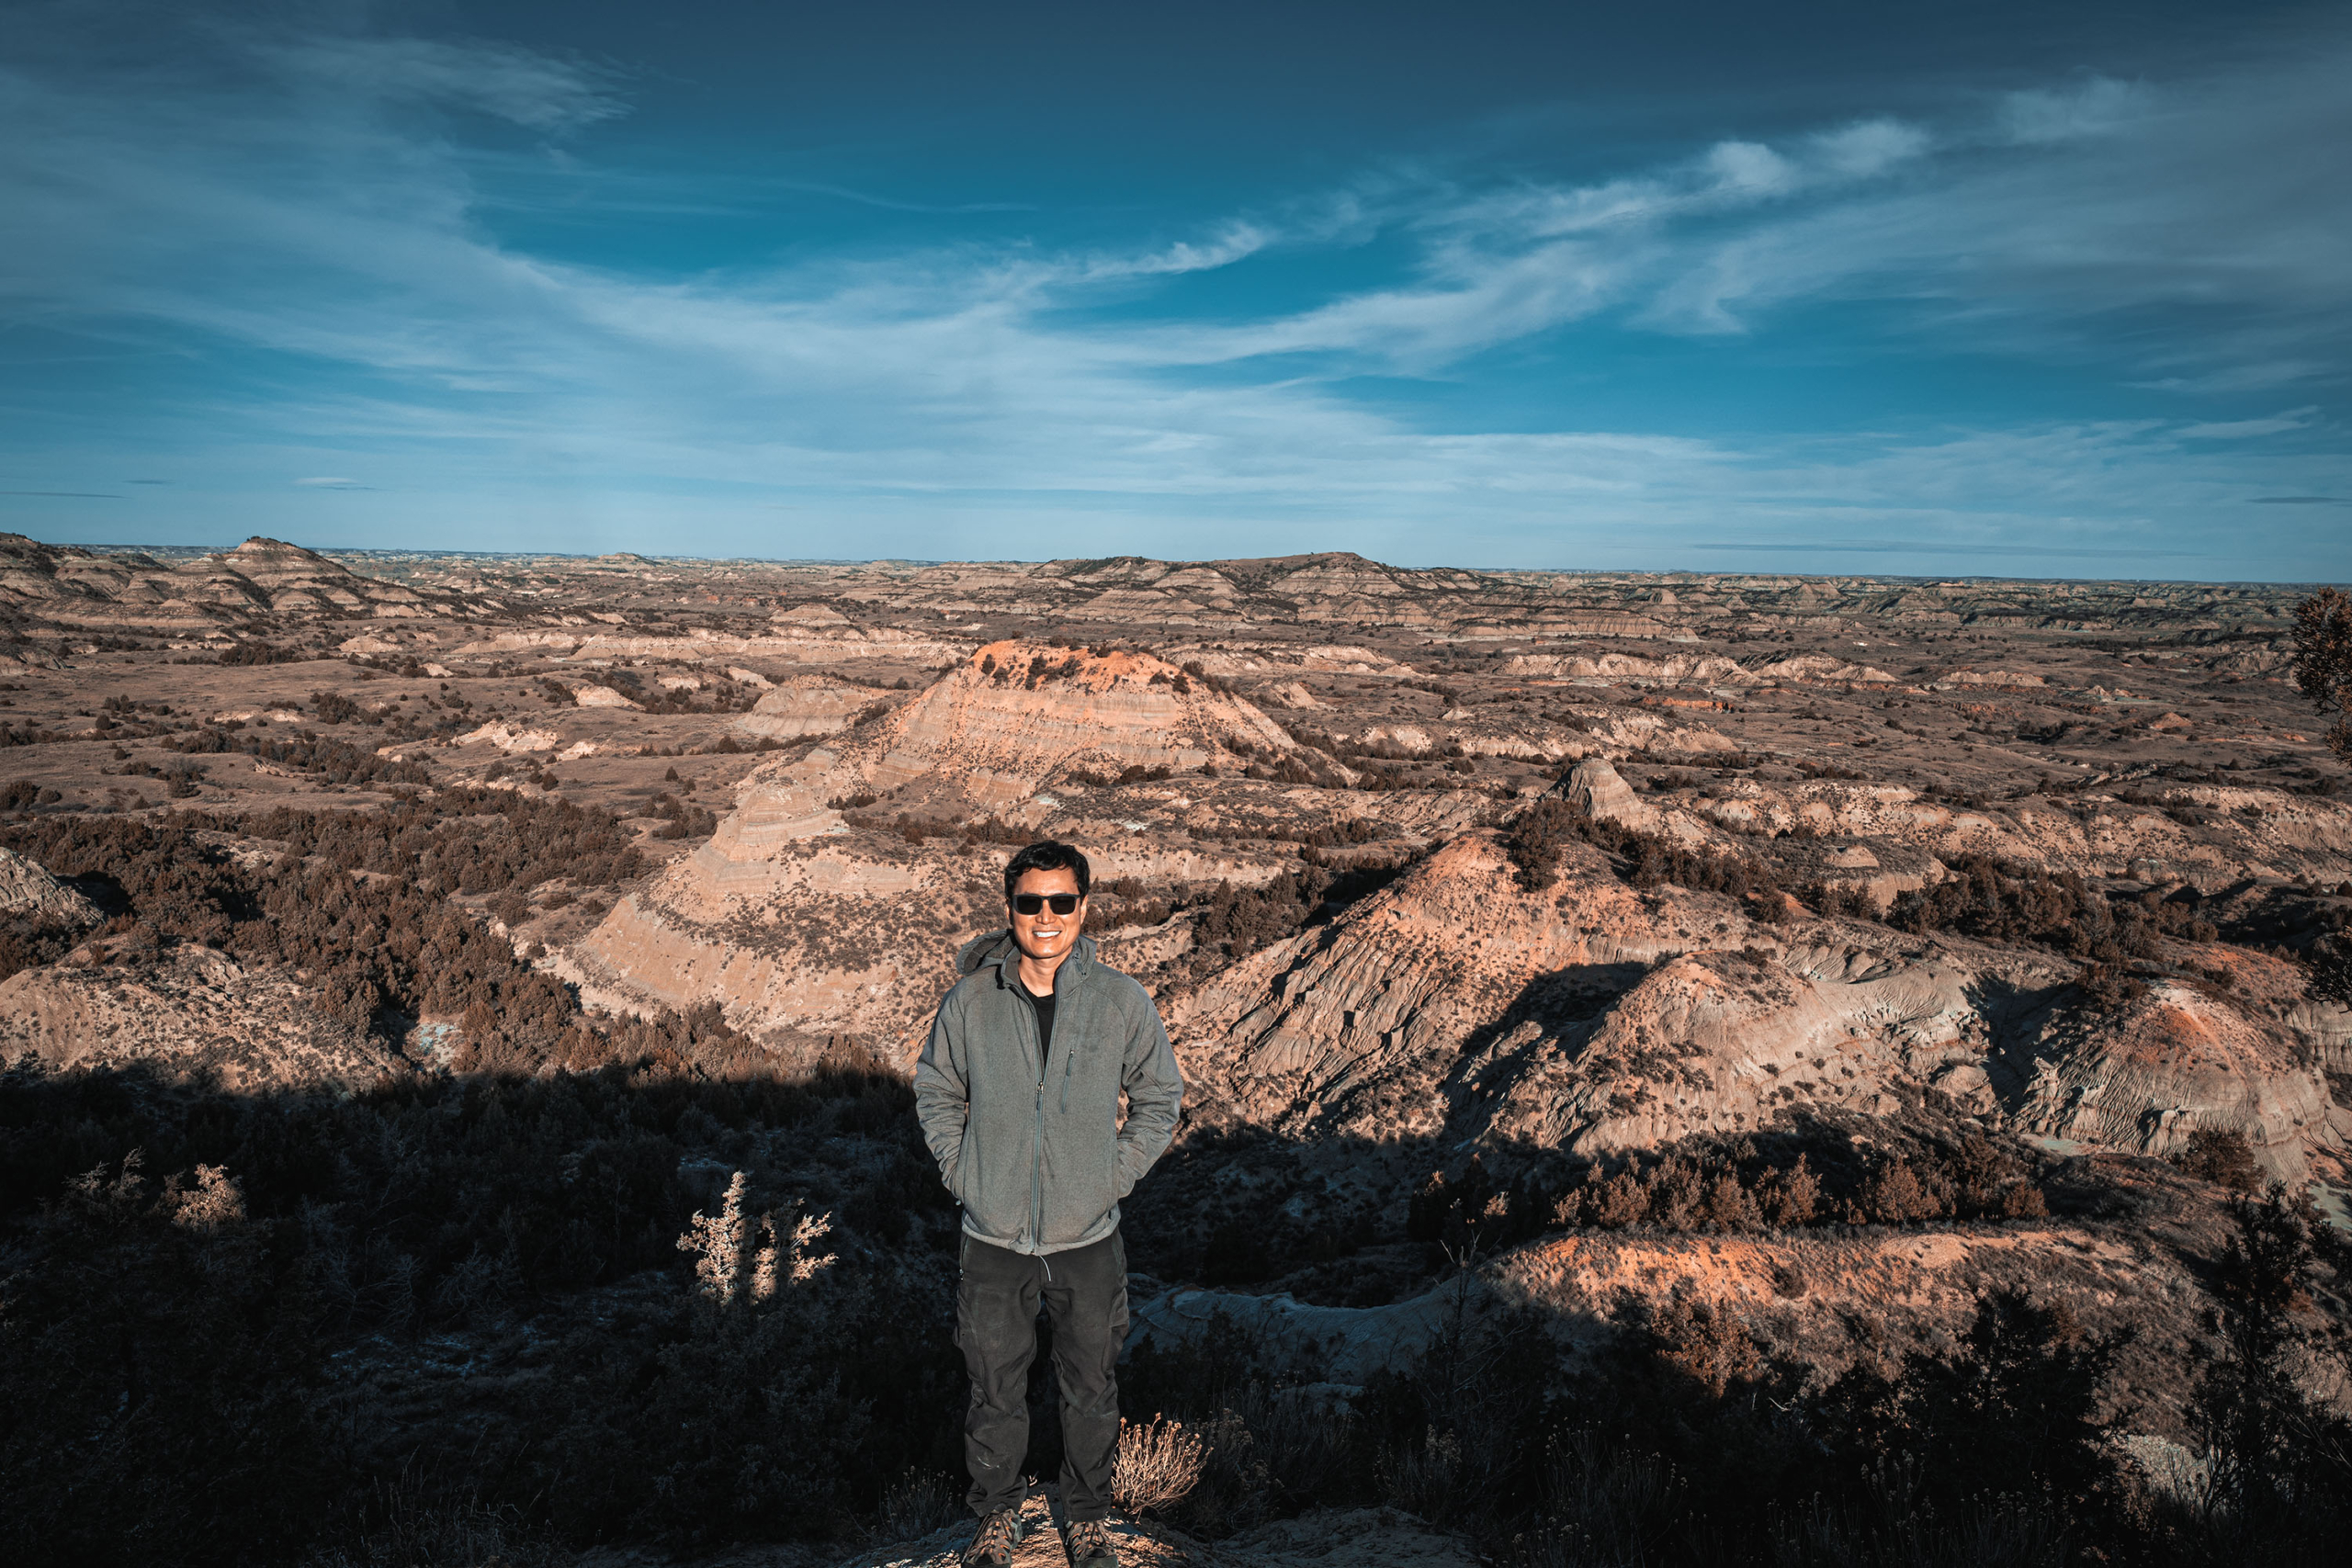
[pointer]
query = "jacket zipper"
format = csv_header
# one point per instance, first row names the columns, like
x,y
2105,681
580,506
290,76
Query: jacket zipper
x,y
1037,1147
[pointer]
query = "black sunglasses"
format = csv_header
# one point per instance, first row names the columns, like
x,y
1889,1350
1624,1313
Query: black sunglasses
x,y
1030,903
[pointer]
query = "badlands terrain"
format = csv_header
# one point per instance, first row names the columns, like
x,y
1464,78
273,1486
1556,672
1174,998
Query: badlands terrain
x,y
1767,971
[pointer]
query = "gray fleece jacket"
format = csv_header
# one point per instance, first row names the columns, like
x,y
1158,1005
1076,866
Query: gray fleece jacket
x,y
1033,1149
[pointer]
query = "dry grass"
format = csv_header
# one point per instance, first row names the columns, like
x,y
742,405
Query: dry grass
x,y
917,1504
1158,1465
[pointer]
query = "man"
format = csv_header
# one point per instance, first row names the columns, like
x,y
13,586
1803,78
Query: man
x,y
1018,1092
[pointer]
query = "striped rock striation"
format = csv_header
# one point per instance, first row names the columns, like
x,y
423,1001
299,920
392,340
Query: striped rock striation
x,y
1594,1017
800,920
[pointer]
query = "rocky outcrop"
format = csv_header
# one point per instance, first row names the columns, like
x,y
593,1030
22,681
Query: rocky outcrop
x,y
506,738
1631,670
797,922
2146,1075
804,705
1881,870
1708,1042
260,575
188,1013
1370,1026
1823,669
2208,835
828,936
1258,658
1015,712
32,898
1595,1018
1596,789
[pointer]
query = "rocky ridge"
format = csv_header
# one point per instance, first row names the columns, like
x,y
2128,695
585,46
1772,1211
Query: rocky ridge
x,y
795,918
186,1013
1844,861
1590,1016
73,586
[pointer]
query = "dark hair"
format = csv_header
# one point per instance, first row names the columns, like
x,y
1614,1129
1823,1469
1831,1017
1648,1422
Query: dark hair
x,y
1048,854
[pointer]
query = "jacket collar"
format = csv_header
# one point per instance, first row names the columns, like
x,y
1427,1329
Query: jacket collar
x,y
996,950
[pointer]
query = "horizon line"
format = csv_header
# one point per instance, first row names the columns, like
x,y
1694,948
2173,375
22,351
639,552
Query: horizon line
x,y
1697,572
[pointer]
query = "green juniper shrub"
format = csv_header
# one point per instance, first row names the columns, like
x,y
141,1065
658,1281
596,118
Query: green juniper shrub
x,y
1768,1182
2221,1156
1538,838
2280,1455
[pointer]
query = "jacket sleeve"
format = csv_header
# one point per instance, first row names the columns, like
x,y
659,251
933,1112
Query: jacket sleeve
x,y
1155,1090
942,1095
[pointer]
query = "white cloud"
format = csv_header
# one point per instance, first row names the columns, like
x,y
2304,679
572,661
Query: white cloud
x,y
1750,169
324,221
2098,105
2240,429
1236,242
1870,147
517,84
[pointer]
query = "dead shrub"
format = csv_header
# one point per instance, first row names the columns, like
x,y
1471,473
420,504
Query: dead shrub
x,y
917,1504
1158,1465
1423,1478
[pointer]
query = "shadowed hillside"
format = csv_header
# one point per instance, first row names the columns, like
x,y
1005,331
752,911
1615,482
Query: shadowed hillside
x,y
1742,1069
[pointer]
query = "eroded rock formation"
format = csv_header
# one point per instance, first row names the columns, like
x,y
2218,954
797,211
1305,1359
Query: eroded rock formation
x,y
188,1014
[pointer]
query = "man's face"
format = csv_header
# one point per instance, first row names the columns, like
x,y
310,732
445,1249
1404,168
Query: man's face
x,y
1046,935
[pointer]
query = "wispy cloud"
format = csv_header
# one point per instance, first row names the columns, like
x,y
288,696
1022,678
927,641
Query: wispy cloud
x,y
2242,429
899,204
1915,547
328,212
516,84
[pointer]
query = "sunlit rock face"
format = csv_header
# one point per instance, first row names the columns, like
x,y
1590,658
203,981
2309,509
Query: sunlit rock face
x,y
804,705
1584,1016
796,921
188,1013
2148,1075
1015,712
1594,1018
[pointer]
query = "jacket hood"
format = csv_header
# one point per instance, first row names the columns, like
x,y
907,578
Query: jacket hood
x,y
997,947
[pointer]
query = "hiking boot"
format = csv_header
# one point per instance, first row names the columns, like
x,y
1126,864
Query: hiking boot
x,y
993,1542
1090,1545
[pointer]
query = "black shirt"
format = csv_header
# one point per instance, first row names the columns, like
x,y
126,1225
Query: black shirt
x,y
1043,1008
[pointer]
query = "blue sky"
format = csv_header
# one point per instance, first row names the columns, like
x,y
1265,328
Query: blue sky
x,y
1931,289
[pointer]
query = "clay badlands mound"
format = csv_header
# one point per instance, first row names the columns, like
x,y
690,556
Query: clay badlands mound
x,y
1631,1021
823,903
1486,995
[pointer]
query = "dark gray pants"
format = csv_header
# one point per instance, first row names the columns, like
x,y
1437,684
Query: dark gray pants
x,y
1085,1292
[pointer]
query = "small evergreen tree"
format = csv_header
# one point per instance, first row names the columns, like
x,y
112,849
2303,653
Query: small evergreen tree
x,y
2324,660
